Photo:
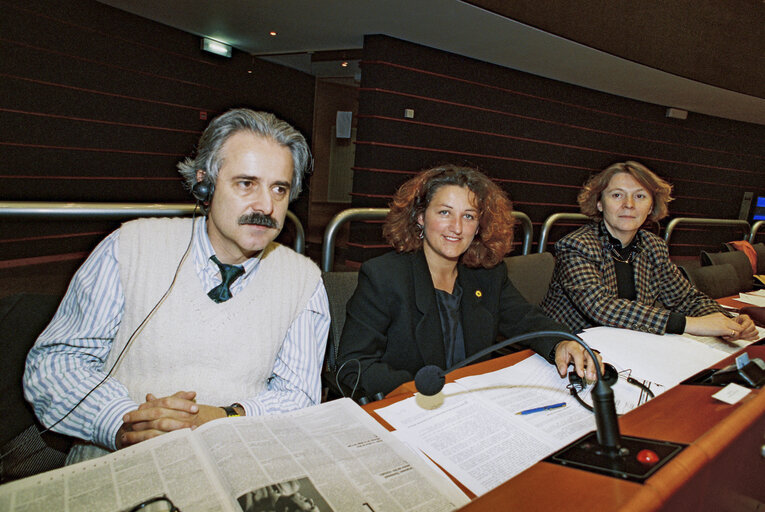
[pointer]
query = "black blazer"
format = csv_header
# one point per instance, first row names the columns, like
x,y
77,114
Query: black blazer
x,y
393,326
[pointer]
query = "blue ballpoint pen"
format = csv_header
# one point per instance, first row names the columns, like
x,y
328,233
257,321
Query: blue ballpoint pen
x,y
540,409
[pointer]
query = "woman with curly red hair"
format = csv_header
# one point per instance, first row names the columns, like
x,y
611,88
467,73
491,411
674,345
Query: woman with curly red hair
x,y
444,294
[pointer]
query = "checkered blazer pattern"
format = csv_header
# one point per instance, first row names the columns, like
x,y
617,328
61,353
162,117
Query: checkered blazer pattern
x,y
583,292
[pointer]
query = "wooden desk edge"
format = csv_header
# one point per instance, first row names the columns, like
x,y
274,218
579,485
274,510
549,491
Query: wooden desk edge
x,y
746,413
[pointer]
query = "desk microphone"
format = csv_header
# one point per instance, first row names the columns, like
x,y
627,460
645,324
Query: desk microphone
x,y
429,380
605,451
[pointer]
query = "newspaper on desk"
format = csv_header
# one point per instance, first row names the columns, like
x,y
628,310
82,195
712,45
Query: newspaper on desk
x,y
335,455
473,431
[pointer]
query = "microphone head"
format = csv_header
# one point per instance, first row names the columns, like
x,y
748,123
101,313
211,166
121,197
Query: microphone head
x,y
429,380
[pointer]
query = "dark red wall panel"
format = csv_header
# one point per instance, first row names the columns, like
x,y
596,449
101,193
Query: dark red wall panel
x,y
538,138
97,104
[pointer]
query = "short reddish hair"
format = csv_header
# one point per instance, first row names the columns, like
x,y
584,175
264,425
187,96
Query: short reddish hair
x,y
495,235
659,189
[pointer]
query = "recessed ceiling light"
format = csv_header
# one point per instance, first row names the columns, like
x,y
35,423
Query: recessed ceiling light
x,y
272,33
344,64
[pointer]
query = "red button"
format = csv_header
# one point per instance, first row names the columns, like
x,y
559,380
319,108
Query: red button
x,y
647,457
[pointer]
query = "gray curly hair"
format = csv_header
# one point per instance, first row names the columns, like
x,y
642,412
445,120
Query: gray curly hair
x,y
265,124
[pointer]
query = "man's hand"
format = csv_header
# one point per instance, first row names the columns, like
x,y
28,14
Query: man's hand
x,y
569,351
157,416
717,324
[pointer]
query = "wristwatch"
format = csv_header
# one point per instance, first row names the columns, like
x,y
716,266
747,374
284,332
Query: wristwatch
x,y
230,410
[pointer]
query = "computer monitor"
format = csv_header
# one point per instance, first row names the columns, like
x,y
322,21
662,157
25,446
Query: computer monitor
x,y
759,209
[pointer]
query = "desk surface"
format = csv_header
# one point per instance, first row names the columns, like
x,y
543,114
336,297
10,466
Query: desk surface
x,y
721,467
731,302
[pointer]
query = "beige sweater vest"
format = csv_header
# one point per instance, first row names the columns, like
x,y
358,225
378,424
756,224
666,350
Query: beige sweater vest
x,y
225,352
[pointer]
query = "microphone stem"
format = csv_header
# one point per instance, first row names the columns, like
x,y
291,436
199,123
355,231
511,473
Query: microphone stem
x,y
606,420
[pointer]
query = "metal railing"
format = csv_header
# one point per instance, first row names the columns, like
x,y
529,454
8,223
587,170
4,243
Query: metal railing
x,y
544,232
64,210
528,231
328,246
744,225
755,228
352,214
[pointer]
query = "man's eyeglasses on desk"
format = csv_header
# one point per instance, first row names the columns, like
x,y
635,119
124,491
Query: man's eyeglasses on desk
x,y
156,504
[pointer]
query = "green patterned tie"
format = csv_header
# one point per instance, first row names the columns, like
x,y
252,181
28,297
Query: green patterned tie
x,y
229,274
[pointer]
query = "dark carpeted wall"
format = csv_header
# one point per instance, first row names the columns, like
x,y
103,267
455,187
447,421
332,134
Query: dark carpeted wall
x,y
538,138
97,104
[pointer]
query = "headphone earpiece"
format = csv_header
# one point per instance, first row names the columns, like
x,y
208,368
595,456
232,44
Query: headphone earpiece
x,y
202,192
610,376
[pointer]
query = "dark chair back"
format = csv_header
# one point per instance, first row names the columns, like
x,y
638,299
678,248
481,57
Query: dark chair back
x,y
738,260
715,280
25,452
686,267
531,274
340,286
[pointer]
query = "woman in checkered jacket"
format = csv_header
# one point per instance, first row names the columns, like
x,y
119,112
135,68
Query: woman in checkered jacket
x,y
610,272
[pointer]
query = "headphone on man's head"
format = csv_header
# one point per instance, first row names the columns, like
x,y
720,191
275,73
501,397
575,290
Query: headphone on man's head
x,y
203,191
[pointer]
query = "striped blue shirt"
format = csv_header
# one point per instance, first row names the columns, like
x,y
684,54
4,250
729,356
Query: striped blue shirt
x,y
67,361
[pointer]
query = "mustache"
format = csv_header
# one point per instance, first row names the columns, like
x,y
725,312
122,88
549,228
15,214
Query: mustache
x,y
258,219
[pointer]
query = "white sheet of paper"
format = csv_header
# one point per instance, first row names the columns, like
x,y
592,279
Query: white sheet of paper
x,y
475,441
471,428
754,298
729,347
534,382
731,393
666,360
446,481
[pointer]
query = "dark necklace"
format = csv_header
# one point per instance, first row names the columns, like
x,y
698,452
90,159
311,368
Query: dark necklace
x,y
618,257
617,254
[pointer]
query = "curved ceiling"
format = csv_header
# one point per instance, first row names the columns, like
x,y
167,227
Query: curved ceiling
x,y
306,29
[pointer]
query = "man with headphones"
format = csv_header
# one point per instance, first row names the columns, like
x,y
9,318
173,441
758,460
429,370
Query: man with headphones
x,y
171,323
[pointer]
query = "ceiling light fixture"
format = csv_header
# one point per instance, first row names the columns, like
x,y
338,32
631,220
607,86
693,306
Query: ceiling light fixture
x,y
216,47
344,64
272,33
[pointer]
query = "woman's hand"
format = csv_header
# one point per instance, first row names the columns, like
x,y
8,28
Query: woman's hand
x,y
717,324
748,330
569,351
